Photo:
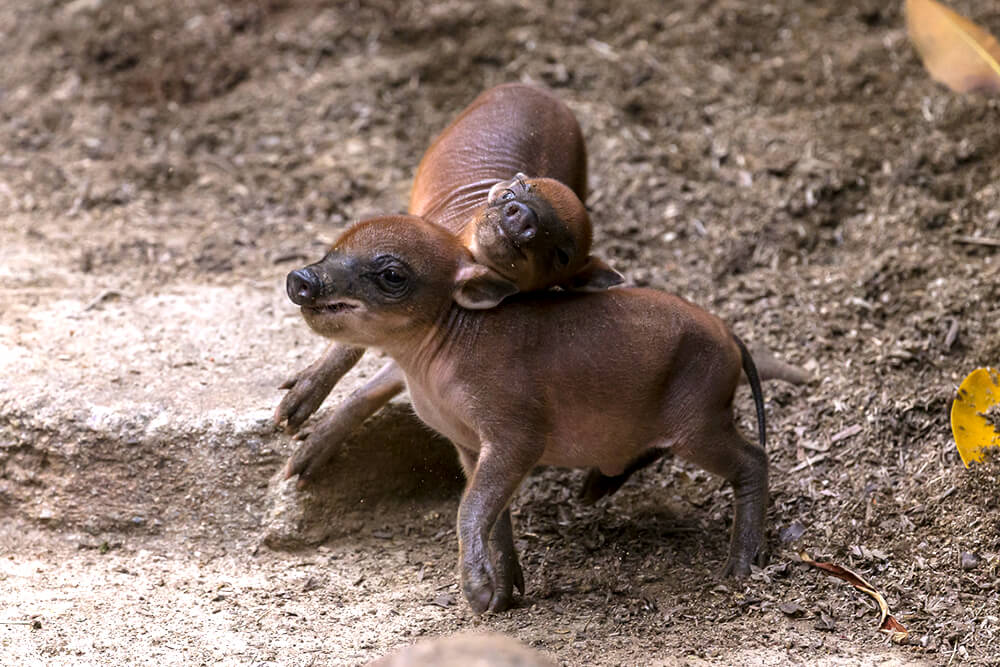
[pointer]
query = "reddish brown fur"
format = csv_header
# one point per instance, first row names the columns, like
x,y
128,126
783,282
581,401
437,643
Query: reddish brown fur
x,y
563,224
508,129
600,380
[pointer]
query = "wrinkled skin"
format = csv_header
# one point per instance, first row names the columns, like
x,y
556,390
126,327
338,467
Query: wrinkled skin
x,y
606,380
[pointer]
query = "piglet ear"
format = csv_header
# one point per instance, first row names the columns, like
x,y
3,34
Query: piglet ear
x,y
595,276
478,287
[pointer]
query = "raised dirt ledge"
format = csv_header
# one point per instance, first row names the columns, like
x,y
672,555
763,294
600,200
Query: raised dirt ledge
x,y
152,413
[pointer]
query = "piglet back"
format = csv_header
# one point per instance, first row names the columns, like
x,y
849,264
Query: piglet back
x,y
509,129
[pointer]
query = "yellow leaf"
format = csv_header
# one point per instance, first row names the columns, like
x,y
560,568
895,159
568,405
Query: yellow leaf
x,y
973,432
956,51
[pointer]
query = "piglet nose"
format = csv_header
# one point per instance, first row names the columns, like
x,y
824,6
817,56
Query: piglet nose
x,y
519,221
303,286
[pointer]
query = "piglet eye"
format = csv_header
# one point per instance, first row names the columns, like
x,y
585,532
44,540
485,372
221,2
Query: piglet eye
x,y
562,257
392,277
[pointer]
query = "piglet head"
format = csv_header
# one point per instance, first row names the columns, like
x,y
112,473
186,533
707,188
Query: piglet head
x,y
536,233
388,280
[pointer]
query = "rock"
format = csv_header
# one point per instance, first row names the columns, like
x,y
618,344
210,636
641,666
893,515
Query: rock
x,y
969,561
466,650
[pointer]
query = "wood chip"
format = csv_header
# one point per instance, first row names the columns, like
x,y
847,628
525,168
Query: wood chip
x,y
952,335
808,463
847,433
976,240
444,601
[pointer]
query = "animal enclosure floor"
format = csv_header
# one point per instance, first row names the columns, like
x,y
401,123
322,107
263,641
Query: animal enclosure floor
x,y
788,165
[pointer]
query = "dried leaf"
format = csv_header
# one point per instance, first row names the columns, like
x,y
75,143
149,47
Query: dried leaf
x,y
444,600
887,624
956,51
977,399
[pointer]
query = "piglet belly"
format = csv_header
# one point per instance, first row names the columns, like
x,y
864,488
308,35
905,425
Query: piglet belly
x,y
607,438
439,418
611,457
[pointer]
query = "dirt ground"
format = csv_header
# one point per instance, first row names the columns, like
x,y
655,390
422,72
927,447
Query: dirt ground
x,y
788,165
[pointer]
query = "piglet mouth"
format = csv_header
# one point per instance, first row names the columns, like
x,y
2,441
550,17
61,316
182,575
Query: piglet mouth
x,y
330,308
511,242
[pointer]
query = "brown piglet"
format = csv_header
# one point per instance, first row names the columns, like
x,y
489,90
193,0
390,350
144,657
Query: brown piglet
x,y
534,232
581,379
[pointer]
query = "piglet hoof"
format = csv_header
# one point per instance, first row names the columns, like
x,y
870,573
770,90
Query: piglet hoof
x,y
483,589
306,392
308,459
509,574
738,567
735,568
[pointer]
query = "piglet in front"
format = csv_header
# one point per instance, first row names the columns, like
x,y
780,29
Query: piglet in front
x,y
602,379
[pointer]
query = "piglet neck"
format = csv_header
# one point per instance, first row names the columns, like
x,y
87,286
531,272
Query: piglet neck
x,y
452,336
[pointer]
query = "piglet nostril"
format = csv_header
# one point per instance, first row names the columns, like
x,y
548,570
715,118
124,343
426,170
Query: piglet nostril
x,y
303,286
519,221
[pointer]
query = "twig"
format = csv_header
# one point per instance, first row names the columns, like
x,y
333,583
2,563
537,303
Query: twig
x,y
103,296
846,433
809,462
953,652
289,256
976,240
944,495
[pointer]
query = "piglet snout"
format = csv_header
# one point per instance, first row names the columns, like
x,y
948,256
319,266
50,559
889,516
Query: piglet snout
x,y
303,287
518,221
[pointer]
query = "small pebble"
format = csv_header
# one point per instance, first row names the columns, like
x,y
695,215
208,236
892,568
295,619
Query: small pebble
x,y
969,561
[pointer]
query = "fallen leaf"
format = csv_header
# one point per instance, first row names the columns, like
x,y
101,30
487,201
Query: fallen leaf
x,y
956,51
887,624
978,397
444,600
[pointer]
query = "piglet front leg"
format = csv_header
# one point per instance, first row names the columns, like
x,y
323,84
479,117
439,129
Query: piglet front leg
x,y
308,388
488,563
333,430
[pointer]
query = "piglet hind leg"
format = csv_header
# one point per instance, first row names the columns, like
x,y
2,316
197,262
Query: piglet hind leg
x,y
725,452
308,388
598,485
331,432
488,564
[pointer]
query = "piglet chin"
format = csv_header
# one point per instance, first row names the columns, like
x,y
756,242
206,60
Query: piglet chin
x,y
326,318
330,308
